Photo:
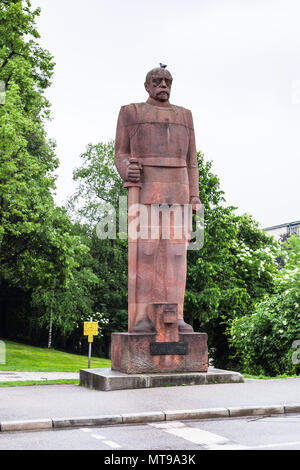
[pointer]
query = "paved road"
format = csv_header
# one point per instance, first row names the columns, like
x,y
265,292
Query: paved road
x,y
59,401
274,432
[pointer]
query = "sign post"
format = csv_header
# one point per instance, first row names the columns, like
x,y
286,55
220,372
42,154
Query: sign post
x,y
90,330
90,355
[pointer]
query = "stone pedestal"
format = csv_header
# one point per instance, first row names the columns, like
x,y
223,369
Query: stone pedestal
x,y
140,353
108,380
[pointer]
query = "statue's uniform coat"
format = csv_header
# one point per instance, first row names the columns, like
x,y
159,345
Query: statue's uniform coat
x,y
163,141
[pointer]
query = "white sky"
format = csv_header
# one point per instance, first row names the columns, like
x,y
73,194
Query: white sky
x,y
235,64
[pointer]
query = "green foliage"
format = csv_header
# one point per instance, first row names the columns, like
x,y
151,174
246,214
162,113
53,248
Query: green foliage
x,y
35,245
110,265
100,184
71,306
225,278
38,249
231,272
19,48
264,340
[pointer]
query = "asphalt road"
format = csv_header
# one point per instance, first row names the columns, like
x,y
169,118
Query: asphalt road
x,y
265,433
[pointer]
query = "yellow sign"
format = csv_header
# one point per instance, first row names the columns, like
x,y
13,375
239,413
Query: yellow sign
x,y
90,329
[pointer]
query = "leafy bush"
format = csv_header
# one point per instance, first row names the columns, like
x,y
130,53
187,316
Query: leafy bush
x,y
265,340
233,271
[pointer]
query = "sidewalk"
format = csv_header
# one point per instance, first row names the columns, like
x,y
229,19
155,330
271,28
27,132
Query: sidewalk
x,y
6,376
70,400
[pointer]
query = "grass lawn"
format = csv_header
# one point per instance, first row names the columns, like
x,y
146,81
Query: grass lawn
x,y
265,377
24,383
20,357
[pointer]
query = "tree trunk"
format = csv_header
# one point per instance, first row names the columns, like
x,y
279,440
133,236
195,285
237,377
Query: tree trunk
x,y
51,318
50,328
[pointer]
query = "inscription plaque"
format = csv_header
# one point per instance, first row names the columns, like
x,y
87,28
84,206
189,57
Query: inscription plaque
x,y
171,348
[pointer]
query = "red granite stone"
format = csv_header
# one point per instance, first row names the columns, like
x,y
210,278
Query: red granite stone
x,y
130,353
155,155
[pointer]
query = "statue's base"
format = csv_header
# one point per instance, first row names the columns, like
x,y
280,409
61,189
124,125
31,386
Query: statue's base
x,y
107,379
139,360
140,353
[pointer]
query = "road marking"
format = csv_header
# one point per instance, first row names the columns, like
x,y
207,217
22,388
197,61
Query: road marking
x,y
170,425
279,444
97,436
198,436
112,444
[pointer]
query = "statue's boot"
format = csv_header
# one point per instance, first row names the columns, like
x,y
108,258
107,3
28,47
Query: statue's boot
x,y
184,327
144,326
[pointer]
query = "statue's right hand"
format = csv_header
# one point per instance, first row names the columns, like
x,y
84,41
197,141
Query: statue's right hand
x,y
133,173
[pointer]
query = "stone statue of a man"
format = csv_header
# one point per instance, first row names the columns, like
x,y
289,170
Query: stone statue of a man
x,y
155,152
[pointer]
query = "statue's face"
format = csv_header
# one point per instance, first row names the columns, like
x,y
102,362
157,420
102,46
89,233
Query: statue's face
x,y
159,87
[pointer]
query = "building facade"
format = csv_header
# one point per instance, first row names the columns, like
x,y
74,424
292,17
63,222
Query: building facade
x,y
284,231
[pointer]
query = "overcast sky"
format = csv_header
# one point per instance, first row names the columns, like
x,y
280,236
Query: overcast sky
x,y
235,64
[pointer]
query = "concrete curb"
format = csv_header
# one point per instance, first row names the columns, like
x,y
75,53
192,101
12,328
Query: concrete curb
x,y
150,417
107,420
29,425
197,414
146,417
256,411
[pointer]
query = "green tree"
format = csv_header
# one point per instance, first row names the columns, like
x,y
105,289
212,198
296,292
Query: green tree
x,y
266,340
36,245
63,309
230,273
100,184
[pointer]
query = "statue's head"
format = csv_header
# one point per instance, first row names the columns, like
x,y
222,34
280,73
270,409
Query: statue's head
x,y
158,84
